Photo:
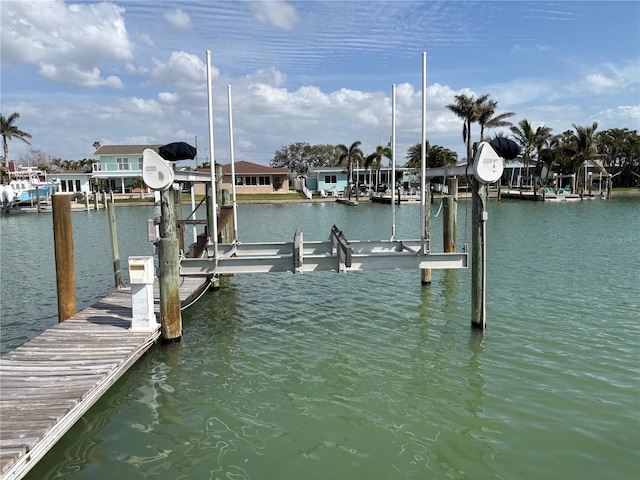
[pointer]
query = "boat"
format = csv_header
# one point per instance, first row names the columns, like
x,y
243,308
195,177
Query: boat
x,y
347,201
26,187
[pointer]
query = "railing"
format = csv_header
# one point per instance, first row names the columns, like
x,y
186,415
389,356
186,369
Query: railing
x,y
306,191
97,167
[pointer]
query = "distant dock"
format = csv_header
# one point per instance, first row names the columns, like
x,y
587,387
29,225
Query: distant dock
x,y
49,383
518,194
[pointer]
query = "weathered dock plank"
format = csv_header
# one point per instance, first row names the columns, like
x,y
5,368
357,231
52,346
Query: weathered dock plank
x,y
48,383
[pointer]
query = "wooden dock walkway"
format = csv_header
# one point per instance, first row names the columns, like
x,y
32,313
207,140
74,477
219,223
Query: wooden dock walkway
x,y
48,383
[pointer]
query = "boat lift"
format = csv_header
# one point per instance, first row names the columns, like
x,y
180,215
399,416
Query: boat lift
x,y
337,254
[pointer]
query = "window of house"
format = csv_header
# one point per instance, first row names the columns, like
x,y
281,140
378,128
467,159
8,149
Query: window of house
x,y
239,181
264,180
139,163
251,180
123,163
78,186
330,179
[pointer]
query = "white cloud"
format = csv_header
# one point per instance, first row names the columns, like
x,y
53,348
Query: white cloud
x,y
185,72
71,74
598,83
628,114
178,19
68,42
168,98
277,13
611,79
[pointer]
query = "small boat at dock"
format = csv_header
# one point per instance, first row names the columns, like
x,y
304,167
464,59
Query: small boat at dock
x,y
26,187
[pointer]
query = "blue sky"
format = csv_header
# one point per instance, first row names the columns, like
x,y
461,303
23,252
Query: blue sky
x,y
302,71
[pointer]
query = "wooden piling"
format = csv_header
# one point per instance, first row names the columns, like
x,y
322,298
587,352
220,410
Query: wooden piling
x,y
478,254
449,216
117,273
38,206
168,259
63,247
95,199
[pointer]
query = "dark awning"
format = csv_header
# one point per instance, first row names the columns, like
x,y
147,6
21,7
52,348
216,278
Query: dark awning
x,y
507,149
177,151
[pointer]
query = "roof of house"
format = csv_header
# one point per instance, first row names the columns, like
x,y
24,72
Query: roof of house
x,y
244,168
125,149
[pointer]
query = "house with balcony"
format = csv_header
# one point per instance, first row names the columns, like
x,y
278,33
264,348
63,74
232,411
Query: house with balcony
x,y
119,167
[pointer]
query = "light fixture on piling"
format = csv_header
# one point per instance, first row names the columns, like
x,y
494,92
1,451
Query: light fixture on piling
x,y
157,173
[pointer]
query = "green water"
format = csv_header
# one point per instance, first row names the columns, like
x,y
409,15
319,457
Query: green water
x,y
369,375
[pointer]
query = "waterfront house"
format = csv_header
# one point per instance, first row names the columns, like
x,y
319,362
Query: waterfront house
x,y
335,179
251,178
329,179
256,178
119,167
72,181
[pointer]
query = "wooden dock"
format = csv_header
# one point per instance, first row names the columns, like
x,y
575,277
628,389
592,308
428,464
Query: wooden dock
x,y
48,383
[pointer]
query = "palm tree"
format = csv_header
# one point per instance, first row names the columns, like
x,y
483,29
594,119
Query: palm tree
x,y
347,156
529,139
582,147
374,160
437,156
465,108
486,117
10,131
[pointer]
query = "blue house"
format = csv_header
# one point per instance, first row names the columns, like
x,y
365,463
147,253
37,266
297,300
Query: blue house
x,y
329,179
120,166
332,179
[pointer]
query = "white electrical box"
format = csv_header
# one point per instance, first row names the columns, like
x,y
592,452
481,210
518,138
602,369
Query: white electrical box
x,y
487,165
141,270
157,173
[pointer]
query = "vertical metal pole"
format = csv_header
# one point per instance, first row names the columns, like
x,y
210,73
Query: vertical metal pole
x,y
423,156
193,209
425,187
213,216
393,162
168,260
117,275
233,168
63,246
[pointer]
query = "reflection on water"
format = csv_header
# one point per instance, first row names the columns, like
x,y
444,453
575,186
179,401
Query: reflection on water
x,y
369,375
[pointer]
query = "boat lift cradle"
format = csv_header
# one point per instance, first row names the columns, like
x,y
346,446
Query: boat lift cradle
x,y
337,254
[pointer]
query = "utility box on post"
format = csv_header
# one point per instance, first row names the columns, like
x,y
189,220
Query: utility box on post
x,y
141,278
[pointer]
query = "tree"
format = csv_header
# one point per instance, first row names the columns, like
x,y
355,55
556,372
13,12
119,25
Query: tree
x,y
9,131
96,145
529,139
581,147
437,156
465,108
35,156
486,117
350,154
620,149
347,156
298,157
374,160
69,165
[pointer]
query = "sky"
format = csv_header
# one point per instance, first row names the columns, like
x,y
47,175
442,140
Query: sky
x,y
127,72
